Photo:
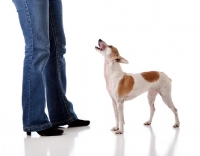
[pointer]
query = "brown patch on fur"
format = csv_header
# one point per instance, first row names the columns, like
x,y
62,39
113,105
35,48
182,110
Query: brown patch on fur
x,y
151,76
125,85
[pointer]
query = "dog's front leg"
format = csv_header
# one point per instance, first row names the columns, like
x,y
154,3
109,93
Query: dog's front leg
x,y
121,117
116,116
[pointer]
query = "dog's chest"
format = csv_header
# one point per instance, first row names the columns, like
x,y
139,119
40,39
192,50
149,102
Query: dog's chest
x,y
112,85
110,88
113,74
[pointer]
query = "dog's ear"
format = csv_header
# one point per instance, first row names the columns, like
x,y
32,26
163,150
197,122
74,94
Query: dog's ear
x,y
122,60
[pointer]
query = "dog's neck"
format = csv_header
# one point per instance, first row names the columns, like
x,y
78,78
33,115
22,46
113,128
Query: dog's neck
x,y
112,69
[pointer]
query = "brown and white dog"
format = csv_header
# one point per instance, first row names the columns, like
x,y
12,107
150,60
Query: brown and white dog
x,y
123,86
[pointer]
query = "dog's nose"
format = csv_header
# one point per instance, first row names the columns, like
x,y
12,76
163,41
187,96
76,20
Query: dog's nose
x,y
100,40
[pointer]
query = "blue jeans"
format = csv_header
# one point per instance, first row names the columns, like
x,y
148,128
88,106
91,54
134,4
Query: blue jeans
x,y
44,74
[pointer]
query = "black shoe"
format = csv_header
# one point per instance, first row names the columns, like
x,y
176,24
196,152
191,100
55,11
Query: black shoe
x,y
49,132
78,123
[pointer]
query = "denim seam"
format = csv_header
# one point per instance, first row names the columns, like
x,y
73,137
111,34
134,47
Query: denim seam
x,y
37,126
32,128
30,61
58,64
65,101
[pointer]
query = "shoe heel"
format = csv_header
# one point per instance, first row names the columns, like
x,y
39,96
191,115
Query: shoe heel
x,y
28,133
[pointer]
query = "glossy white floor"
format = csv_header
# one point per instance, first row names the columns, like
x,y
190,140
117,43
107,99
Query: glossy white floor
x,y
151,35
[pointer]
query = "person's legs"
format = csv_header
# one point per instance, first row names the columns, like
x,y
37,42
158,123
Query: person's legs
x,y
59,107
34,20
39,65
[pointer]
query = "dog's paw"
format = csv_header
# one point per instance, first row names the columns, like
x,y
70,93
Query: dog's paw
x,y
147,123
119,132
114,129
176,125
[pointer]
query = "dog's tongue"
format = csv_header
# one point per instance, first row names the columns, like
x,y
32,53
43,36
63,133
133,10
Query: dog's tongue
x,y
102,46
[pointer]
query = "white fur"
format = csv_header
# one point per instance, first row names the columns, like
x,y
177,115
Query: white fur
x,y
113,74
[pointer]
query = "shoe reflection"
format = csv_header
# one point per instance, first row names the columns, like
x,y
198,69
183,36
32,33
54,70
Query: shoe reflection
x,y
62,145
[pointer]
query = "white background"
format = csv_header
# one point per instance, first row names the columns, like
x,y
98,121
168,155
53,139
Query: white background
x,y
161,35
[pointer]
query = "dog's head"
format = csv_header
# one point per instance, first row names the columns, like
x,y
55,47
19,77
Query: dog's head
x,y
109,52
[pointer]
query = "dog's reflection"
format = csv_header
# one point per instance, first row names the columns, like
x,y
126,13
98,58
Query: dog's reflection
x,y
53,146
120,144
170,151
152,147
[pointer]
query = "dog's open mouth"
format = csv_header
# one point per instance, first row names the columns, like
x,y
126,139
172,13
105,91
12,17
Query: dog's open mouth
x,y
101,47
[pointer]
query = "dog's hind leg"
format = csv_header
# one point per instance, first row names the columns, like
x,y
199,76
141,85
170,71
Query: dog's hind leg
x,y
168,101
116,116
165,93
151,99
